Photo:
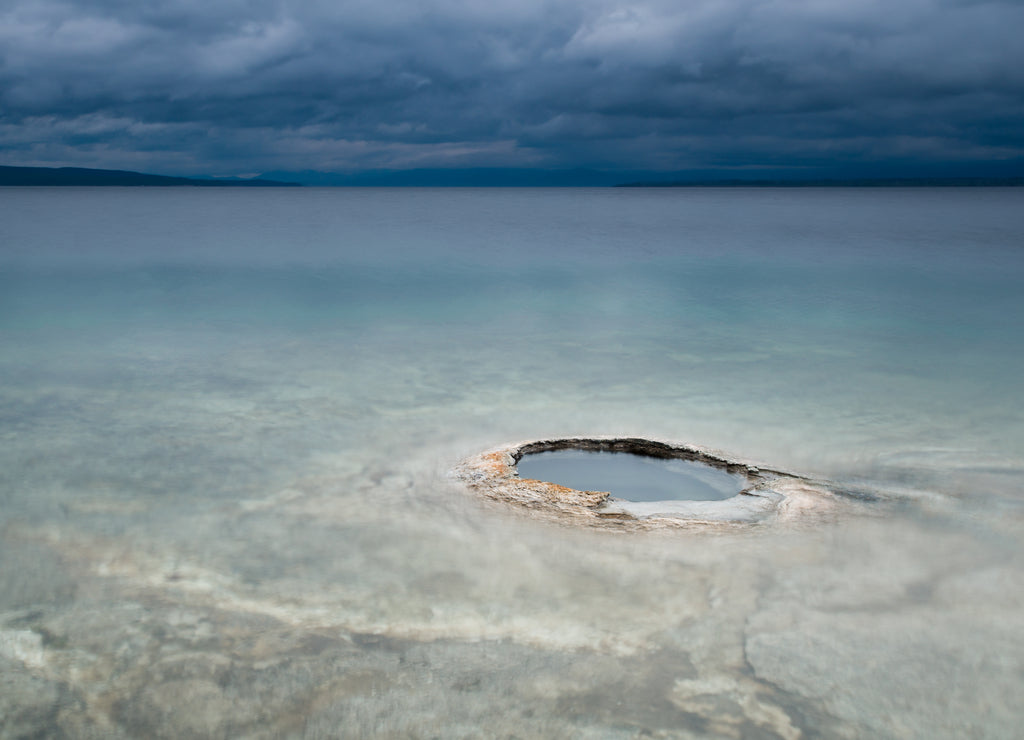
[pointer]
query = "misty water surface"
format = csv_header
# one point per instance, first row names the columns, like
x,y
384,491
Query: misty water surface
x,y
227,419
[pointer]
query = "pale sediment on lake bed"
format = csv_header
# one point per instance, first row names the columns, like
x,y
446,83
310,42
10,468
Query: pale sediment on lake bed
x,y
771,494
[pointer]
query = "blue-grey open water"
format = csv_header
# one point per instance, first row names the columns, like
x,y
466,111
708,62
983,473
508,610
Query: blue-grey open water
x,y
632,477
227,417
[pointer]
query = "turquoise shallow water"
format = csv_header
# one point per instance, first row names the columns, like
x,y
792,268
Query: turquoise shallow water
x,y
227,419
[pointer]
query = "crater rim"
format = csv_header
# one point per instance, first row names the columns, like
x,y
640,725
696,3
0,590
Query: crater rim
x,y
770,494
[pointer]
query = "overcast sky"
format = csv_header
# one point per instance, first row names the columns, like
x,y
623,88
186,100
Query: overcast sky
x,y
229,87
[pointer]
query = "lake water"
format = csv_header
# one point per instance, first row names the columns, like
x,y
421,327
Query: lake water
x,y
227,419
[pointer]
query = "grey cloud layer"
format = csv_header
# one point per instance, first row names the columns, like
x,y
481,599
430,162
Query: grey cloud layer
x,y
223,84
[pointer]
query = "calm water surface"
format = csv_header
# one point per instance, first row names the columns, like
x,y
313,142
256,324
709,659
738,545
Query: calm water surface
x,y
632,477
227,417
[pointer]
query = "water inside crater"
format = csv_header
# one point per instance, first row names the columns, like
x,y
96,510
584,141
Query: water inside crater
x,y
632,477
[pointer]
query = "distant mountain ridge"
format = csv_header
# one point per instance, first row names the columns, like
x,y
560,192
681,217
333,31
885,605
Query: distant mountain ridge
x,y
856,182
82,176
583,177
475,177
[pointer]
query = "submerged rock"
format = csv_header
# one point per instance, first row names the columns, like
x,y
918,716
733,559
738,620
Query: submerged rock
x,y
771,494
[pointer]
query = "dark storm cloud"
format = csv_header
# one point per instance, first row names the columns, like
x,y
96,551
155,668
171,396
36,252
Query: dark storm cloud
x,y
231,86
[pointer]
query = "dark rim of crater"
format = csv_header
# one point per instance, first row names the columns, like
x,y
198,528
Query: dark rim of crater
x,y
770,494
639,447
